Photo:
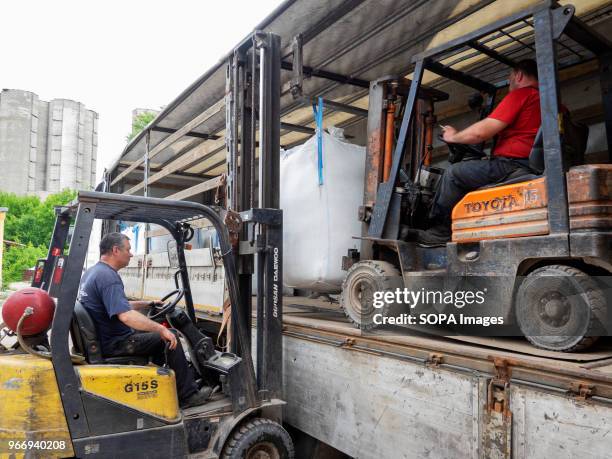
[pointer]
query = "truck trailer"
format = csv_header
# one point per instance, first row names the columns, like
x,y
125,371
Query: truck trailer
x,y
398,392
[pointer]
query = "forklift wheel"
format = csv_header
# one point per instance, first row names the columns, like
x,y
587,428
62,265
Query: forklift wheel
x,y
259,438
560,308
362,280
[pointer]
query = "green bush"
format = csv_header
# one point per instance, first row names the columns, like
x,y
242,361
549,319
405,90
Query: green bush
x,y
29,221
17,259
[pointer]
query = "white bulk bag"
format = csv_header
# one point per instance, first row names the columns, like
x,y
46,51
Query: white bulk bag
x,y
319,222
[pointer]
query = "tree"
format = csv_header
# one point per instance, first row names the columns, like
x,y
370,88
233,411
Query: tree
x,y
17,259
140,122
29,221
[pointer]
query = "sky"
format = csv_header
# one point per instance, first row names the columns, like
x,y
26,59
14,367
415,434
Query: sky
x,y
114,56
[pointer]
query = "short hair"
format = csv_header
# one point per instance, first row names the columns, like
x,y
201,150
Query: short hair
x,y
528,67
112,240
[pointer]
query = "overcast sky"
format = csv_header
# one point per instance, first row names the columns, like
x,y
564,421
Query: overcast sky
x,y
115,56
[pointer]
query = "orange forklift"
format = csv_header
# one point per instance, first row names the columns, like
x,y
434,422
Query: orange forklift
x,y
539,244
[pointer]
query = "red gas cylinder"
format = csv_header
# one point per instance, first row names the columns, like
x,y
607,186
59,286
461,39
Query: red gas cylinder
x,y
38,300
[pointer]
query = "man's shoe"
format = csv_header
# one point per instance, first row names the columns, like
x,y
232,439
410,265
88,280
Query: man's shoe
x,y
434,237
197,398
408,234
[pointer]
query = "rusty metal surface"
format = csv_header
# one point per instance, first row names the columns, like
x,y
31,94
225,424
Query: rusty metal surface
x,y
375,407
553,369
590,196
590,183
471,346
375,143
416,397
496,419
233,222
374,160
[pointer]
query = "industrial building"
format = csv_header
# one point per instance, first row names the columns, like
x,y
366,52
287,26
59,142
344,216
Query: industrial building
x,y
46,147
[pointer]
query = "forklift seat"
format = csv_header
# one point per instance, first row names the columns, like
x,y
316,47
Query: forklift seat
x,y
524,174
85,340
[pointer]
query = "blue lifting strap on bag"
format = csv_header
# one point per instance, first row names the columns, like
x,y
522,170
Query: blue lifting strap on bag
x,y
318,116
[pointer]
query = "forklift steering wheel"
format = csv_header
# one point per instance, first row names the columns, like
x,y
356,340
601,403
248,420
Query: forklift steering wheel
x,y
154,313
462,152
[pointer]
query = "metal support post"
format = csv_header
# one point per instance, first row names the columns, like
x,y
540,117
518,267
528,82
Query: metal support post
x,y
237,100
230,128
146,163
556,187
180,238
147,170
67,380
346,108
298,67
374,159
385,190
243,198
269,121
58,241
269,259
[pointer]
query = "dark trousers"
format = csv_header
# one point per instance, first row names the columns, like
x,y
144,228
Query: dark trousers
x,y
465,176
151,344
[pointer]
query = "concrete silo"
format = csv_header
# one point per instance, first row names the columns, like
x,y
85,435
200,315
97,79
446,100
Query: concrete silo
x,y
18,141
72,145
46,146
41,146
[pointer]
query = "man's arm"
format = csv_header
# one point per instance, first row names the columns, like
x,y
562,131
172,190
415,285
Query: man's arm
x,y
138,305
116,304
478,132
137,321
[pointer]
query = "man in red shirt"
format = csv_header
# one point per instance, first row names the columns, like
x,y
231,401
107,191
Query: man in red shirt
x,y
515,122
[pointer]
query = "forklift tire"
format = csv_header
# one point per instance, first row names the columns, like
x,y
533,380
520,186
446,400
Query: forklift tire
x,y
259,438
365,278
560,308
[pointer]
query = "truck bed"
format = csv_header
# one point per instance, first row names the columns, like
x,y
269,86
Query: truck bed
x,y
410,394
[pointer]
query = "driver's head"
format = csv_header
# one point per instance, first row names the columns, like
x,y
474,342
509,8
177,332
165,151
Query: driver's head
x,y
524,73
115,249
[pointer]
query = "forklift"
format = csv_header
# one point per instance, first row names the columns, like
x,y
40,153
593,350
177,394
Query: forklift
x,y
123,406
79,403
538,245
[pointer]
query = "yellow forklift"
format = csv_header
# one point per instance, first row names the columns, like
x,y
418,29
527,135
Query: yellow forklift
x,y
84,404
538,245
58,402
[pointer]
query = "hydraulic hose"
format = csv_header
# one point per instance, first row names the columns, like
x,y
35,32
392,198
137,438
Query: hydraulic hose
x,y
26,347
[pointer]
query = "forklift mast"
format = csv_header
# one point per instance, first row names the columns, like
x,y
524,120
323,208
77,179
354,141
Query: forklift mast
x,y
251,226
252,121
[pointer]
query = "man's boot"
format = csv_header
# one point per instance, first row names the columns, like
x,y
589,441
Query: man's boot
x,y
436,236
197,398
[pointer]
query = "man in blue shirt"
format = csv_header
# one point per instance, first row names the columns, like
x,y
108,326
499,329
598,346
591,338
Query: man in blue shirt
x,y
123,329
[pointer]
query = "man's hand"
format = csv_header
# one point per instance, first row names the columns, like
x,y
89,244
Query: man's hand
x,y
139,305
448,133
167,335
